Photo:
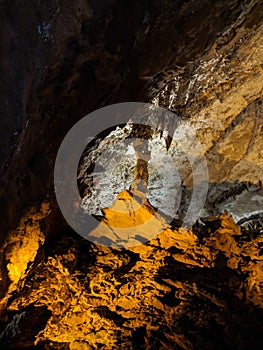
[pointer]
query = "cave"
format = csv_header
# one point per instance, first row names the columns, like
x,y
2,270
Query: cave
x,y
174,91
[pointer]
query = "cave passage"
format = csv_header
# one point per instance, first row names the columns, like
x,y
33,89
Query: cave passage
x,y
143,278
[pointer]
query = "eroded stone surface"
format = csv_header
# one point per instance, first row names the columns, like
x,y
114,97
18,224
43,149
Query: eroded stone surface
x,y
202,59
180,290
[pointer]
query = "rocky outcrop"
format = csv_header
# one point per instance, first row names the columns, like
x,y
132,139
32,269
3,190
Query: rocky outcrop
x,y
185,290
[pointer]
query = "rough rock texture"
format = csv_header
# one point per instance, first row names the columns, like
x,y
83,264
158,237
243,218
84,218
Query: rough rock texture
x,y
221,97
72,57
183,290
200,289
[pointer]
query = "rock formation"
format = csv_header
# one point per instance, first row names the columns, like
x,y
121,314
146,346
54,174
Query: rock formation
x,y
184,289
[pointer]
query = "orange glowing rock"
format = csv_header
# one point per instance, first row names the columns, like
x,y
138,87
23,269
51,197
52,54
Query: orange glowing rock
x,y
129,210
131,217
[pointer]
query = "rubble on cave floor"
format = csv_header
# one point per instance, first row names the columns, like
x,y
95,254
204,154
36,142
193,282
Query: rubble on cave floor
x,y
196,289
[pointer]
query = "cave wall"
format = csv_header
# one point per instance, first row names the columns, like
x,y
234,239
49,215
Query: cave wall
x,y
71,58
62,60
